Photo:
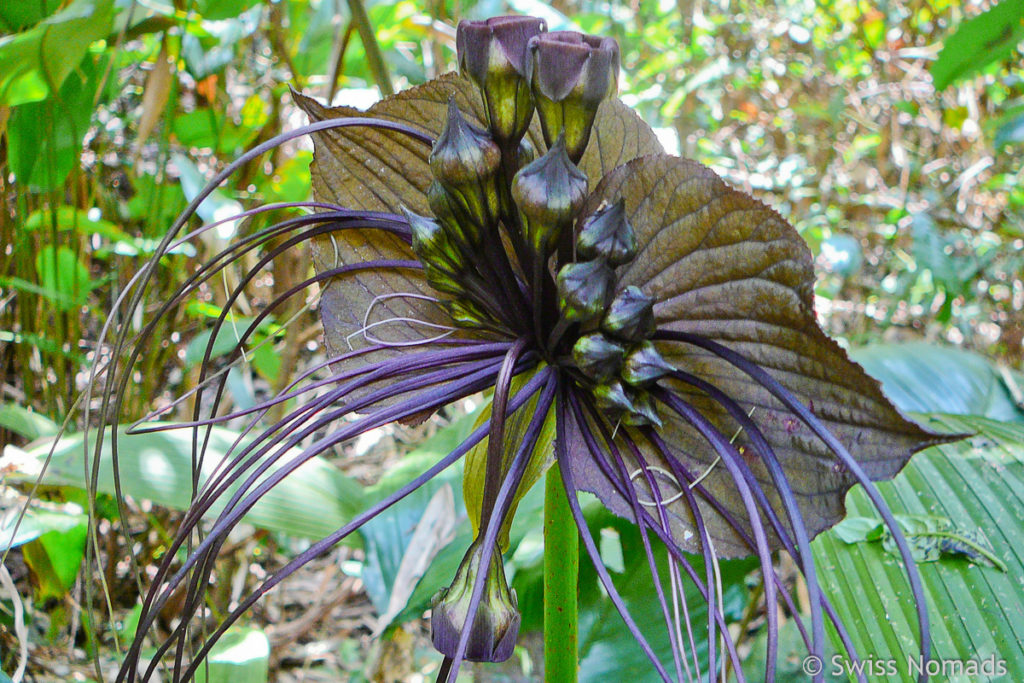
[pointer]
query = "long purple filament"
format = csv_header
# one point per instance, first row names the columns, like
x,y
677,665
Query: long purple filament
x,y
792,403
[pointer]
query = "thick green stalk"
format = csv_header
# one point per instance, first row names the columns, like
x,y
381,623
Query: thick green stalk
x,y
561,572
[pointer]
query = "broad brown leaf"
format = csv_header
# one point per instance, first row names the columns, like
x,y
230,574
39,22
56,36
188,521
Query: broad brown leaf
x,y
723,265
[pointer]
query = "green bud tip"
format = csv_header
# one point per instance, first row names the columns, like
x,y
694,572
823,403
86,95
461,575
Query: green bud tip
x,y
645,411
463,154
584,289
613,398
644,365
608,234
496,627
549,192
630,315
431,242
597,356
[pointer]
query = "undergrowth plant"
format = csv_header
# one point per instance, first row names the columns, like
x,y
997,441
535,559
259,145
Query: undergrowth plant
x,y
646,333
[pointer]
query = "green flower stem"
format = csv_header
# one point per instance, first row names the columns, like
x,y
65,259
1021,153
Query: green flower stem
x,y
561,571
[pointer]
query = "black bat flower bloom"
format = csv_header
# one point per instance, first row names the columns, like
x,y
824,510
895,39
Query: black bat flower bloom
x,y
516,228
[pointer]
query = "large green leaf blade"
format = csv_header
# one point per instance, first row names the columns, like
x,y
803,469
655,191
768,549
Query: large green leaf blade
x,y
156,466
991,36
926,378
34,64
975,609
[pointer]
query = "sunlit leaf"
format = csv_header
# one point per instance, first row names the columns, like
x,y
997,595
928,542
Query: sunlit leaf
x,y
722,265
991,36
21,420
34,64
45,137
64,278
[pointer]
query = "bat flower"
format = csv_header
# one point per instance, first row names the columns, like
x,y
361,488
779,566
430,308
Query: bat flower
x,y
515,228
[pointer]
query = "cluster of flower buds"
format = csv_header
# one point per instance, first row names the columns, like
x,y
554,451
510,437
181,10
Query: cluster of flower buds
x,y
617,356
488,191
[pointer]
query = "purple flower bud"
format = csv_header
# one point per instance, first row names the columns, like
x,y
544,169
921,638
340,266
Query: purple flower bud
x,y
597,356
613,398
496,627
571,74
549,192
644,365
465,161
493,54
630,315
431,243
645,411
584,289
608,234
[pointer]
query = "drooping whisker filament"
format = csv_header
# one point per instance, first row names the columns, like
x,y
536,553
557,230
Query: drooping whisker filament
x,y
808,418
240,502
625,489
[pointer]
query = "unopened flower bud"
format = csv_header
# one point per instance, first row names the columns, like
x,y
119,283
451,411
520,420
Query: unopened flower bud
x,y
644,365
584,289
597,356
645,411
496,626
608,234
613,398
571,74
453,216
549,192
432,244
493,54
630,315
465,160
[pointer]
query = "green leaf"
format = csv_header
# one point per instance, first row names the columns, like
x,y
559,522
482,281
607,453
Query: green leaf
x,y
227,339
922,377
156,466
69,218
726,267
242,655
64,278
34,64
218,206
18,16
45,137
387,537
25,422
206,128
55,558
540,460
975,609
989,37
37,521
855,529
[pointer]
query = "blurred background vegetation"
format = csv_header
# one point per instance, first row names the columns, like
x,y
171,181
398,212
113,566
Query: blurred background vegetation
x,y
902,169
